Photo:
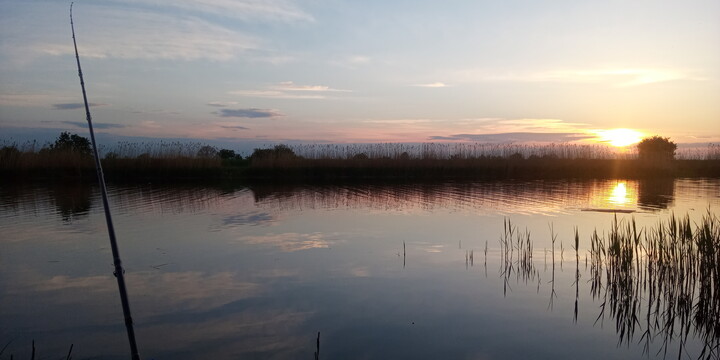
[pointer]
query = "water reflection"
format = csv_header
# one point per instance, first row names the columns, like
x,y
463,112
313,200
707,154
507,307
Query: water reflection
x,y
289,242
255,273
658,285
73,200
510,197
668,278
656,193
619,195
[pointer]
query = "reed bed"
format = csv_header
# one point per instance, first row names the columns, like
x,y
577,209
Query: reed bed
x,y
328,162
516,252
156,149
158,159
442,160
664,281
452,151
710,152
659,285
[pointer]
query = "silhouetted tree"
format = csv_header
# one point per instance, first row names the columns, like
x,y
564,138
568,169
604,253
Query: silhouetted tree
x,y
284,151
278,152
207,151
227,154
71,143
656,148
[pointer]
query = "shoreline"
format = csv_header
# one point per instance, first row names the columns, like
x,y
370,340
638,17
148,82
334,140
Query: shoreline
x,y
329,170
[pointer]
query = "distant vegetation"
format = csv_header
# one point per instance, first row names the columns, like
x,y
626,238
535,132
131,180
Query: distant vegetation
x,y
70,155
656,148
472,161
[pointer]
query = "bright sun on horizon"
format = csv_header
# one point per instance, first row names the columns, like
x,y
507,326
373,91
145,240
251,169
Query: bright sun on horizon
x,y
619,137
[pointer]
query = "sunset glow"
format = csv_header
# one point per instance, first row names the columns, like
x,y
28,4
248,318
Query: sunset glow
x,y
619,137
243,74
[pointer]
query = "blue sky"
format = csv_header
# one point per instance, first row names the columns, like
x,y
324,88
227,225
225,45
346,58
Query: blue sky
x,y
364,71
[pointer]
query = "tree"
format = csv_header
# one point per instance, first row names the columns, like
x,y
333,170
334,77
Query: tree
x,y
71,143
207,151
227,154
283,151
276,153
656,148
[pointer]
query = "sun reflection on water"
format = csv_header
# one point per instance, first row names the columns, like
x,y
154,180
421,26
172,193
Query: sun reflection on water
x,y
618,195
621,195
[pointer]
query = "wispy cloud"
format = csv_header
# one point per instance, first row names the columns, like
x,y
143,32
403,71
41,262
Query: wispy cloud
x,y
250,113
221,103
249,10
432,85
234,127
290,90
35,99
533,125
111,32
610,76
275,94
72,106
399,121
515,137
621,77
476,130
290,86
96,125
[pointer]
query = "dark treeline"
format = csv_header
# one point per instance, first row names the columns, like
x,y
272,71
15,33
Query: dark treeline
x,y
71,156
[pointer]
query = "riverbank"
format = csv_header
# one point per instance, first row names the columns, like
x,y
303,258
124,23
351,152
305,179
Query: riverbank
x,y
325,170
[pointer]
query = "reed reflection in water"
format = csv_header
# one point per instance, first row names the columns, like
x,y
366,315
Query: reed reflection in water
x,y
511,197
659,285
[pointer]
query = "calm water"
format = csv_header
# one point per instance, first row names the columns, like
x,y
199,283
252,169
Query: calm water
x,y
382,272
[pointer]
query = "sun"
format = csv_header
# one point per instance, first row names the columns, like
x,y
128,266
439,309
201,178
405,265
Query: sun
x,y
619,137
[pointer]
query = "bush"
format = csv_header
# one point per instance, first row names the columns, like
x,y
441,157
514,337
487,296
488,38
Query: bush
x,y
276,153
656,148
207,151
71,143
227,154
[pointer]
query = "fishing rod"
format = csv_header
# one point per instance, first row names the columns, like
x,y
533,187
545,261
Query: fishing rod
x,y
119,271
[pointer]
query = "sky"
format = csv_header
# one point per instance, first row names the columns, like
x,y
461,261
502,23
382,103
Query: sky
x,y
334,71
